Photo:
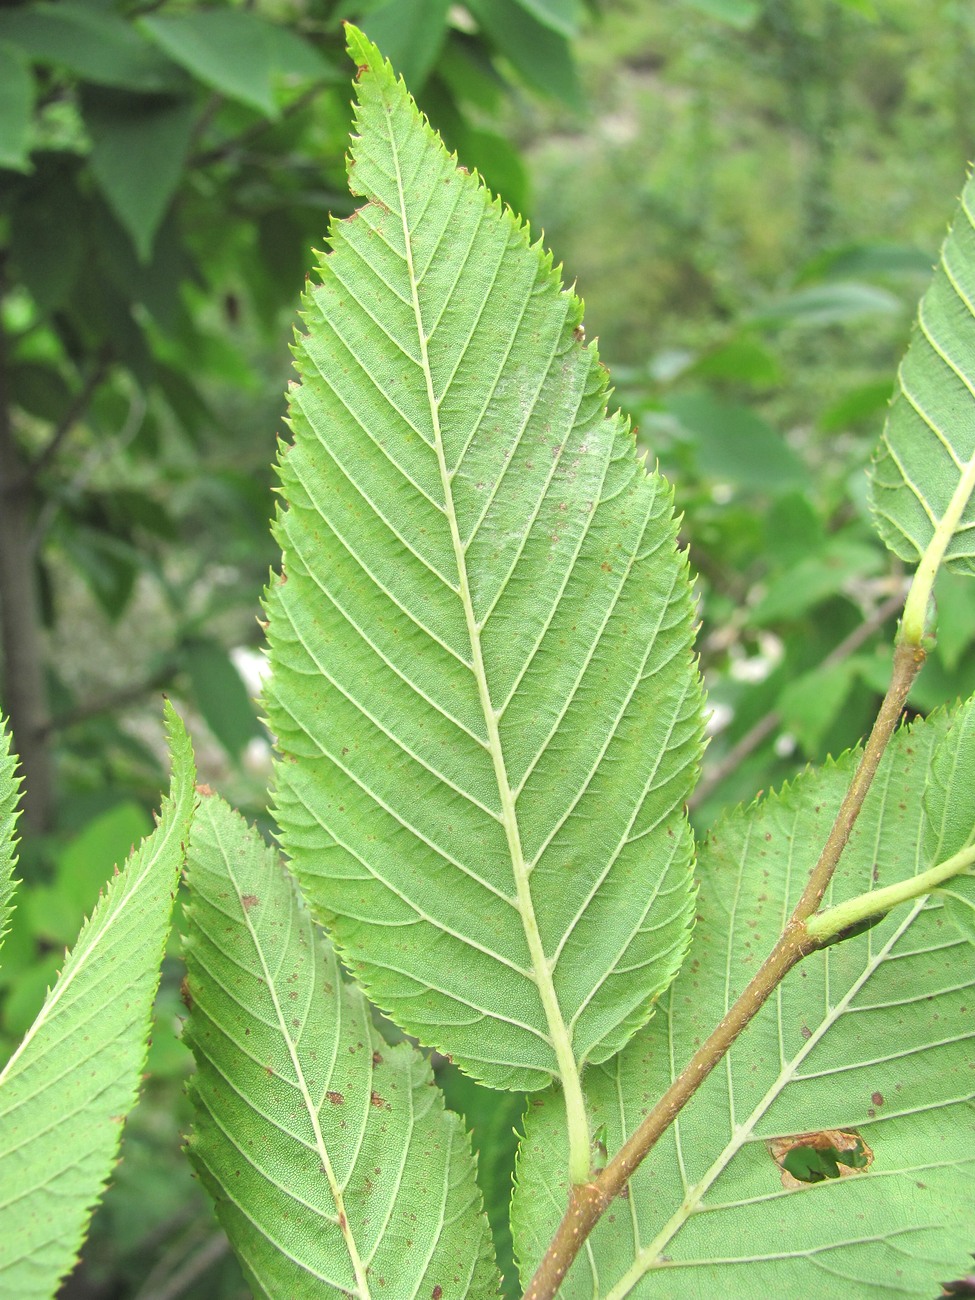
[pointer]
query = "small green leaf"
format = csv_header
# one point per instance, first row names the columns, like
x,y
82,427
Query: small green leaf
x,y
924,470
9,812
92,41
55,912
829,304
872,1037
563,16
68,1087
734,445
804,585
16,107
236,52
811,702
332,1161
139,146
220,695
542,57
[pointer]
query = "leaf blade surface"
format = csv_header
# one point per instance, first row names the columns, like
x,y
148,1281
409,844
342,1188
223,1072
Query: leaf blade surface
x,y
873,1035
329,1154
482,682
66,1090
923,476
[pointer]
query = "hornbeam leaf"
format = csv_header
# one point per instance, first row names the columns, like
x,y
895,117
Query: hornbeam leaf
x,y
923,476
486,705
330,1156
867,1045
9,800
66,1090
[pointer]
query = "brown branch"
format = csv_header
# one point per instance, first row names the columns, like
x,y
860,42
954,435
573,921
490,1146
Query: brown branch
x,y
588,1201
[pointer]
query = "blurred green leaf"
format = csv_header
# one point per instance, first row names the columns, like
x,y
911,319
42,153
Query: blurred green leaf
x,y
46,231
734,445
810,703
849,261
742,359
16,107
540,56
855,407
139,147
108,565
236,53
829,304
411,35
220,695
814,579
54,912
498,164
94,42
563,16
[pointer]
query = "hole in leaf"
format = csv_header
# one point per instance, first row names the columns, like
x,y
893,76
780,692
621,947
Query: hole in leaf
x,y
814,1157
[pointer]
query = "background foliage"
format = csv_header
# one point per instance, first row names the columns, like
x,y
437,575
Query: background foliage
x,y
751,193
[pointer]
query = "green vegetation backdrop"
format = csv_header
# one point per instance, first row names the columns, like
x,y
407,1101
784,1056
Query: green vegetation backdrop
x,y
751,194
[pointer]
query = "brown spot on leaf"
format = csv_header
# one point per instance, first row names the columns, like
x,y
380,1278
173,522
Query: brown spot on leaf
x,y
335,1098
377,1059
379,1102
248,901
437,1292
877,1098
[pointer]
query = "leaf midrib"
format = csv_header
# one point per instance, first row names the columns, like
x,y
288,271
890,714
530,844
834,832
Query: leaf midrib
x,y
270,983
541,973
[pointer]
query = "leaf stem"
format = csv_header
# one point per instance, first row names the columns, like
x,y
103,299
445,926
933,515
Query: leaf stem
x,y
908,661
588,1202
826,925
918,598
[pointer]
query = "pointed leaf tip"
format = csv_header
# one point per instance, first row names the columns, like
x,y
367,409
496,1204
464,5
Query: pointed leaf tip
x,y
483,689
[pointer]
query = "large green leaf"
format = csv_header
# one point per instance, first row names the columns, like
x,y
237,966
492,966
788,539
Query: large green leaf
x,y
9,810
483,689
236,52
330,1156
75,1076
873,1035
139,147
924,472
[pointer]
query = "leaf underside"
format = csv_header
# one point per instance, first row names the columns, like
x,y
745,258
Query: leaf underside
x,y
68,1087
302,1113
9,799
927,454
874,1035
486,705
